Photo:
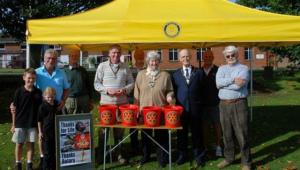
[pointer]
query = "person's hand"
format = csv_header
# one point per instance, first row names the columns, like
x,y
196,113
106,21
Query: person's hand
x,y
112,92
61,105
239,81
12,108
170,100
121,92
12,129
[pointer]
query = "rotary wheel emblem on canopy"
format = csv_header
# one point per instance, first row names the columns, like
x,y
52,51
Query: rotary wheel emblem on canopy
x,y
171,29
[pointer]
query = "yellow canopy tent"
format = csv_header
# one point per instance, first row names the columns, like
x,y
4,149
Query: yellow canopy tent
x,y
149,24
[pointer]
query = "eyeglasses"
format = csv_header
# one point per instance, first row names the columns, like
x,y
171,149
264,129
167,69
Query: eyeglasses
x,y
230,56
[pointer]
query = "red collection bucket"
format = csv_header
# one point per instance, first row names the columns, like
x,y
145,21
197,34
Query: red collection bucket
x,y
151,116
129,114
107,114
172,116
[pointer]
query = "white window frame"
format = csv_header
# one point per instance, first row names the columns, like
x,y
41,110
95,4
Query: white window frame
x,y
200,51
248,52
174,54
55,47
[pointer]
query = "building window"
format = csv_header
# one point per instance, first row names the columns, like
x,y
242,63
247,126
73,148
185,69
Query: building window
x,y
2,47
99,59
159,52
248,53
126,58
55,47
173,54
23,46
200,52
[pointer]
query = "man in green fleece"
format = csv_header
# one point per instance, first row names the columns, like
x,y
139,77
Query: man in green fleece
x,y
80,97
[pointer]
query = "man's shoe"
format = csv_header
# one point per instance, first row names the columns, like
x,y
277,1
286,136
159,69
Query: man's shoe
x,y
180,160
162,164
29,166
122,160
219,151
246,167
223,164
144,160
41,163
18,166
200,162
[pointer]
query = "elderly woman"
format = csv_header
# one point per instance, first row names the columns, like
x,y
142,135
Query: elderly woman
x,y
153,87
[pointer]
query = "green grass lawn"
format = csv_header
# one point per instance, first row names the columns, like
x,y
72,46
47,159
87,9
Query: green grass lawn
x,y
275,129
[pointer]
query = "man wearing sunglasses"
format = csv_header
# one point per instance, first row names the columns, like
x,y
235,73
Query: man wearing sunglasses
x,y
232,80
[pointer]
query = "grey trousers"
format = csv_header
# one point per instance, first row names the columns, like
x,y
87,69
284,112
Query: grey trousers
x,y
234,119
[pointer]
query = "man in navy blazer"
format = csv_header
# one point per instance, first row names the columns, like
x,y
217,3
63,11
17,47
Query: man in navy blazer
x,y
188,86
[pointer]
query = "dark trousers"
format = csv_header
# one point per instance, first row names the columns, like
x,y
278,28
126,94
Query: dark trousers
x,y
161,136
234,119
189,121
118,136
49,153
134,143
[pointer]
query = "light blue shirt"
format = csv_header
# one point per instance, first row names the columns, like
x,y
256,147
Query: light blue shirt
x,y
57,80
225,81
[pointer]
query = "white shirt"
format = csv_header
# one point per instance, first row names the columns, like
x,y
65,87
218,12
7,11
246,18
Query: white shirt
x,y
189,69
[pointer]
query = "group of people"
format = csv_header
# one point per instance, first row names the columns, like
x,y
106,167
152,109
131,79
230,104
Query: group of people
x,y
207,94
48,91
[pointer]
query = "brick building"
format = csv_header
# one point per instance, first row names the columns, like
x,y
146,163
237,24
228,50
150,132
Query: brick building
x,y
169,59
12,55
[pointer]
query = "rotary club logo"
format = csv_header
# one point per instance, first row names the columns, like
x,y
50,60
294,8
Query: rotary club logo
x,y
171,29
106,117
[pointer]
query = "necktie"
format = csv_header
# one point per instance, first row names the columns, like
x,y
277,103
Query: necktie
x,y
187,75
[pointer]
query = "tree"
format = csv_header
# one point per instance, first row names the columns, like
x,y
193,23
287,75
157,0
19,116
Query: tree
x,y
291,7
15,13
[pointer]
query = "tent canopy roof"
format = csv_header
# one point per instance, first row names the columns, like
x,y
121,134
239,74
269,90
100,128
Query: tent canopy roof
x,y
149,24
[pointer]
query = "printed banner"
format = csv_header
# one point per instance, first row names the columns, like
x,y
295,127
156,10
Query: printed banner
x,y
75,142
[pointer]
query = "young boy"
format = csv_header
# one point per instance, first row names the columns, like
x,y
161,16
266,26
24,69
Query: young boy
x,y
24,119
46,126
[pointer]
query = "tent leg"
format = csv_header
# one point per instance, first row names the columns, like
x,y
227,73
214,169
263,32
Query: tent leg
x,y
251,89
27,55
81,53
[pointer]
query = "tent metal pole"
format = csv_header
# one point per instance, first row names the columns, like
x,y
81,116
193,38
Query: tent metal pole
x,y
81,53
251,88
27,55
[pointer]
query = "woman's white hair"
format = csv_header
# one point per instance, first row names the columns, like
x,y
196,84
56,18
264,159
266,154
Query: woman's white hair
x,y
152,55
230,50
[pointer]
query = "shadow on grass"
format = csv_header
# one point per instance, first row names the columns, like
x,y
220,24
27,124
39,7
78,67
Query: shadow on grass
x,y
262,85
277,150
270,122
